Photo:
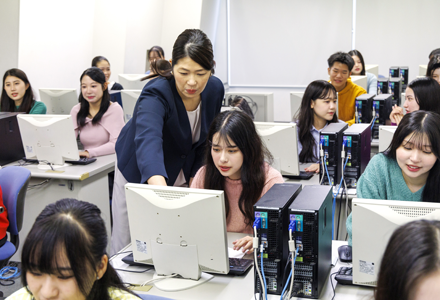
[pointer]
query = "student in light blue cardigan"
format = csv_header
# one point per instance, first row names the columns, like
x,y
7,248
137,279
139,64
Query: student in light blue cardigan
x,y
409,170
359,69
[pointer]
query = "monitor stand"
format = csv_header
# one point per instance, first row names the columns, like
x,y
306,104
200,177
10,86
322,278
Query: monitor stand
x,y
179,284
46,167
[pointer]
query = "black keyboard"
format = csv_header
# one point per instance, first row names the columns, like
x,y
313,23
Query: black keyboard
x,y
237,266
345,276
303,175
81,161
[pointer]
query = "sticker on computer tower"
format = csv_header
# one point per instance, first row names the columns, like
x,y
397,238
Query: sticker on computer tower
x,y
299,222
366,267
263,217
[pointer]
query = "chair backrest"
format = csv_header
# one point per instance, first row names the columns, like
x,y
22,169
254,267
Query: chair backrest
x,y
14,182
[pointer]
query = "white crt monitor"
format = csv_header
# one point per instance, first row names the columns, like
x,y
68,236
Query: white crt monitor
x,y
132,81
59,101
129,99
179,230
374,221
295,103
386,134
360,81
373,69
48,138
422,70
260,103
282,142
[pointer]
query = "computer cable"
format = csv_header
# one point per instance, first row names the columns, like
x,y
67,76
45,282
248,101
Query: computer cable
x,y
257,223
44,182
337,191
321,154
331,281
374,116
159,279
262,270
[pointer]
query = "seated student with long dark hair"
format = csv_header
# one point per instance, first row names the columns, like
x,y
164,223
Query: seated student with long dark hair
x,y
103,63
17,95
64,256
318,109
155,53
409,169
410,267
421,94
234,163
433,69
96,119
359,69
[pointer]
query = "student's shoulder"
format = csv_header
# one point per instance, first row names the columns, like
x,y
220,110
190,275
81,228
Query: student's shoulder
x,y
215,83
117,87
118,294
38,108
75,109
21,294
115,108
273,174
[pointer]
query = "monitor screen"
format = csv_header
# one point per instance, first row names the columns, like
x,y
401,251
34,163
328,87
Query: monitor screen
x,y
48,138
11,147
260,103
374,221
179,230
132,81
281,140
59,101
129,99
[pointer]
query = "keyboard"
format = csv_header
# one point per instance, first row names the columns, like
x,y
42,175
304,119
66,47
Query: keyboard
x,y
303,175
345,276
237,266
81,161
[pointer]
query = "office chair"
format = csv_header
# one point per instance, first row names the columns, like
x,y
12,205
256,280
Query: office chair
x,y
14,182
152,297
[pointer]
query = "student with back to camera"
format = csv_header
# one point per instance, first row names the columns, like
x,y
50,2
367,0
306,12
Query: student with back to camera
x,y
434,52
433,69
64,256
234,162
359,69
410,267
17,95
340,65
155,53
96,119
163,143
421,94
409,169
318,109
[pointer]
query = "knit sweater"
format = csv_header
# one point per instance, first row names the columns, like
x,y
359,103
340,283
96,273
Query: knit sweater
x,y
233,188
346,100
383,179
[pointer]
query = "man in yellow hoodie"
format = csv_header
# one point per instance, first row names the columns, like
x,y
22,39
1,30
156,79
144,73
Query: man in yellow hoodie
x,y
340,65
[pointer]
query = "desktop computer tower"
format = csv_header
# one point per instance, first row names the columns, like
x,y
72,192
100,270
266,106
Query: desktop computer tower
x,y
11,146
404,73
272,209
382,85
382,105
363,108
331,141
357,141
394,72
395,89
312,212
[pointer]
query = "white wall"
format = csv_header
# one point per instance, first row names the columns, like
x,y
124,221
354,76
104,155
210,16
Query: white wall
x,y
9,22
220,41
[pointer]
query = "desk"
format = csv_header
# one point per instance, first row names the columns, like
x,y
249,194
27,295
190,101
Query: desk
x,y
87,182
238,287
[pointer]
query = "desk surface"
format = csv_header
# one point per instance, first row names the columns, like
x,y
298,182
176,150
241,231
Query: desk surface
x,y
73,172
236,287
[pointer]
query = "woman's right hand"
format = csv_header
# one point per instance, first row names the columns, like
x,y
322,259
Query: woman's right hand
x,y
312,168
396,114
157,180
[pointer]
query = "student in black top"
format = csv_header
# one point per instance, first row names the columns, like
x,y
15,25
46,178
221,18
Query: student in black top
x,y
103,63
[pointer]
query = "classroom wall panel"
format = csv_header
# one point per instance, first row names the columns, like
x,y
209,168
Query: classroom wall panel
x,y
9,22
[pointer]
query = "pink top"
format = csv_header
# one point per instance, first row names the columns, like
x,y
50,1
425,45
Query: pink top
x,y
233,188
100,139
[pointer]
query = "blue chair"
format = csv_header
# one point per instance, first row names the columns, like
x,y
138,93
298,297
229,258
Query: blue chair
x,y
14,182
152,297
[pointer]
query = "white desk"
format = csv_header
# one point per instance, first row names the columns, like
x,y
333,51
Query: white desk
x,y
88,183
236,287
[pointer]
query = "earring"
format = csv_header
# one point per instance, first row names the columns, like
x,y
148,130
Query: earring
x,y
97,277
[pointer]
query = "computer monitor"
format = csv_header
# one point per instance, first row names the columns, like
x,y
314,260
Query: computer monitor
x,y
11,147
59,101
422,70
180,231
295,103
132,81
260,103
374,221
281,140
386,134
129,99
360,81
48,138
373,69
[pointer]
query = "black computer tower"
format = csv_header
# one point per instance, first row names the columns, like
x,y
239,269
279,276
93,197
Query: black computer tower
x,y
357,141
394,72
382,85
382,105
395,89
363,108
404,75
313,235
331,141
272,209
11,146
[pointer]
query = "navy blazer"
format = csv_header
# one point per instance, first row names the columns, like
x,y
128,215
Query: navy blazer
x,y
157,140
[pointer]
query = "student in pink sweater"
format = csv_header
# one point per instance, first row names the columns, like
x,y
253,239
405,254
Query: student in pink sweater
x,y
96,120
234,163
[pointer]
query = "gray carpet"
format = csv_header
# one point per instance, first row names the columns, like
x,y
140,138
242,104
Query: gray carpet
x,y
16,285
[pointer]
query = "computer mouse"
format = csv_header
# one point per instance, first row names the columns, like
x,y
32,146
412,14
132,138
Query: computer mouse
x,y
344,253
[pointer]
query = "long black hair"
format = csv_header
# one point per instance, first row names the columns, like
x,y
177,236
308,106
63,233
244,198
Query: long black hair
x,y
427,93
97,59
412,253
434,64
97,75
421,125
319,89
237,127
75,230
361,58
7,104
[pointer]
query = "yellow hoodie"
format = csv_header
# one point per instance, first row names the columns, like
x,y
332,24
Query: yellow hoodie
x,y
346,101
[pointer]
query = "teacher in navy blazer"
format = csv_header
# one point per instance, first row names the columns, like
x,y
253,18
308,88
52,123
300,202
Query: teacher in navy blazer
x,y
164,141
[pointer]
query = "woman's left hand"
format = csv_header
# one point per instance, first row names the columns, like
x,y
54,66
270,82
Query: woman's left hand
x,y
246,244
84,154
